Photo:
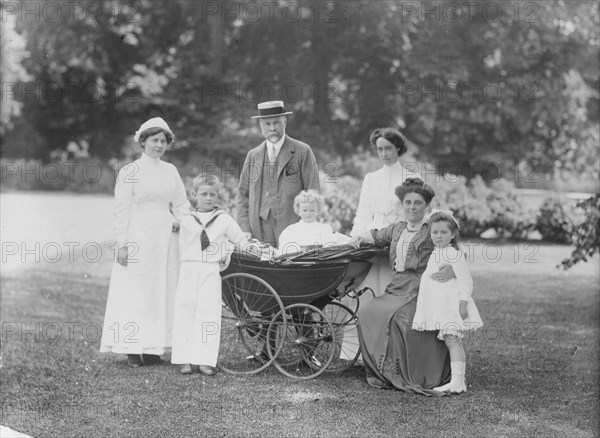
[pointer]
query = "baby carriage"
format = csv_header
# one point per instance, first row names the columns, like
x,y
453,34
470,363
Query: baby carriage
x,y
288,311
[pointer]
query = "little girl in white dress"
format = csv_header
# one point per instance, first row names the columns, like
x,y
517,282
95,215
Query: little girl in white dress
x,y
447,307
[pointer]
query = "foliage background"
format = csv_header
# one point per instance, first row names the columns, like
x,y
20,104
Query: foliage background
x,y
492,96
506,83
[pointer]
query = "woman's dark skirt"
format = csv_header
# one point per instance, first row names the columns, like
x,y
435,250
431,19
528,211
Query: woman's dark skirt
x,y
395,355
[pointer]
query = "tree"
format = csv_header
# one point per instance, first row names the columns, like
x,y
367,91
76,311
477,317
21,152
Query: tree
x,y
92,74
469,87
506,89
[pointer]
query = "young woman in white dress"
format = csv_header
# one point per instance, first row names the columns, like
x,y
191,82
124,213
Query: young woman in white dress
x,y
150,200
378,207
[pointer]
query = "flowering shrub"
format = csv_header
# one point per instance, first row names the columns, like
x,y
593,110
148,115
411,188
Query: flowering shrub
x,y
341,199
553,223
476,206
469,203
510,215
479,207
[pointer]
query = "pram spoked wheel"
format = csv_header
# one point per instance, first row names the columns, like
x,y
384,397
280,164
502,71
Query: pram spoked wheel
x,y
347,348
308,341
249,307
301,340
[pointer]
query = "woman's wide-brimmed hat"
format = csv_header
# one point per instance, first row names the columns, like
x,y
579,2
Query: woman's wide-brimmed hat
x,y
273,108
156,122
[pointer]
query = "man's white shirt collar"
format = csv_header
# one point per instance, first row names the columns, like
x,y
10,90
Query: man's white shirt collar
x,y
277,145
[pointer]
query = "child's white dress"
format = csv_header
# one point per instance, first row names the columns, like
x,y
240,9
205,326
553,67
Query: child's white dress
x,y
300,234
438,303
197,315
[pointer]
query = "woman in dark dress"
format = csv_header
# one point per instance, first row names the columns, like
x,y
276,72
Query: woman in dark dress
x,y
395,355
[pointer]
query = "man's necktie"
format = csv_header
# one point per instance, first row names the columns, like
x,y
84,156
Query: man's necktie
x,y
272,154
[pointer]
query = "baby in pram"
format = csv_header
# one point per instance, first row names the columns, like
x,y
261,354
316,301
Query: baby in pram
x,y
308,232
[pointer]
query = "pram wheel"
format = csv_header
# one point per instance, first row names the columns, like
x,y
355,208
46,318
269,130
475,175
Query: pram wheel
x,y
308,341
249,307
347,348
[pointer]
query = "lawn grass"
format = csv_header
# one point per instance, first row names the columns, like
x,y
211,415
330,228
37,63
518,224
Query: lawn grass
x,y
533,371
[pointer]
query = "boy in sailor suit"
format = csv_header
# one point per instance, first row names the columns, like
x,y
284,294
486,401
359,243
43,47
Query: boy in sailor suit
x,y
206,239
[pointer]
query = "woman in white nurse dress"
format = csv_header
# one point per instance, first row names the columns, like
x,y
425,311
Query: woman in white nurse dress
x,y
378,207
150,200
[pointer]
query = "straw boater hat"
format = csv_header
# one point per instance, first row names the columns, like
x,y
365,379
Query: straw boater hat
x,y
271,109
156,122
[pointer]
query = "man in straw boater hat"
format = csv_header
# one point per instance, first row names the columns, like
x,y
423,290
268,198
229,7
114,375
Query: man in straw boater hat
x,y
274,173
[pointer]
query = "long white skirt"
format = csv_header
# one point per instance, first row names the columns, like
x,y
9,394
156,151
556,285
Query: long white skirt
x,y
139,309
197,327
379,277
